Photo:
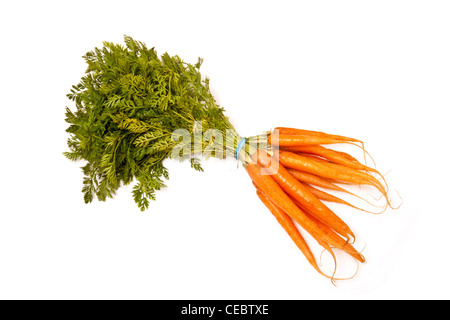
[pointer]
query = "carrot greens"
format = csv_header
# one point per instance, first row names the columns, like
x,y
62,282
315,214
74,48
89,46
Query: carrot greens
x,y
128,106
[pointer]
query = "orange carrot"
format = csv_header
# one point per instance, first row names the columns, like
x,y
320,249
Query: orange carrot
x,y
272,190
315,180
310,179
346,155
341,139
328,170
310,156
322,195
346,246
294,131
288,225
331,155
302,194
288,140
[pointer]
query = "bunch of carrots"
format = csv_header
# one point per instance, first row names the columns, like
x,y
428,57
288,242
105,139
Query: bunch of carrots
x,y
290,190
135,108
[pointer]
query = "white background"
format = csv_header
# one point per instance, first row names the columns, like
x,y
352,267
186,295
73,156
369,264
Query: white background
x,y
375,70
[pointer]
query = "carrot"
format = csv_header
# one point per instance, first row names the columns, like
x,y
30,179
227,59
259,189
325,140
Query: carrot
x,y
294,131
322,195
287,140
272,190
315,180
310,156
288,225
332,156
302,194
329,170
320,241
326,169
345,246
310,179
325,161
342,139
346,155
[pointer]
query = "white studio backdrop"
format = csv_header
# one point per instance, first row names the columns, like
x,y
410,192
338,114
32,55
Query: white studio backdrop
x,y
378,71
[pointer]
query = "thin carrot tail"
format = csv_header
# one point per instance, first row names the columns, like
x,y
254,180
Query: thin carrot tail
x,y
363,199
330,251
389,203
325,196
